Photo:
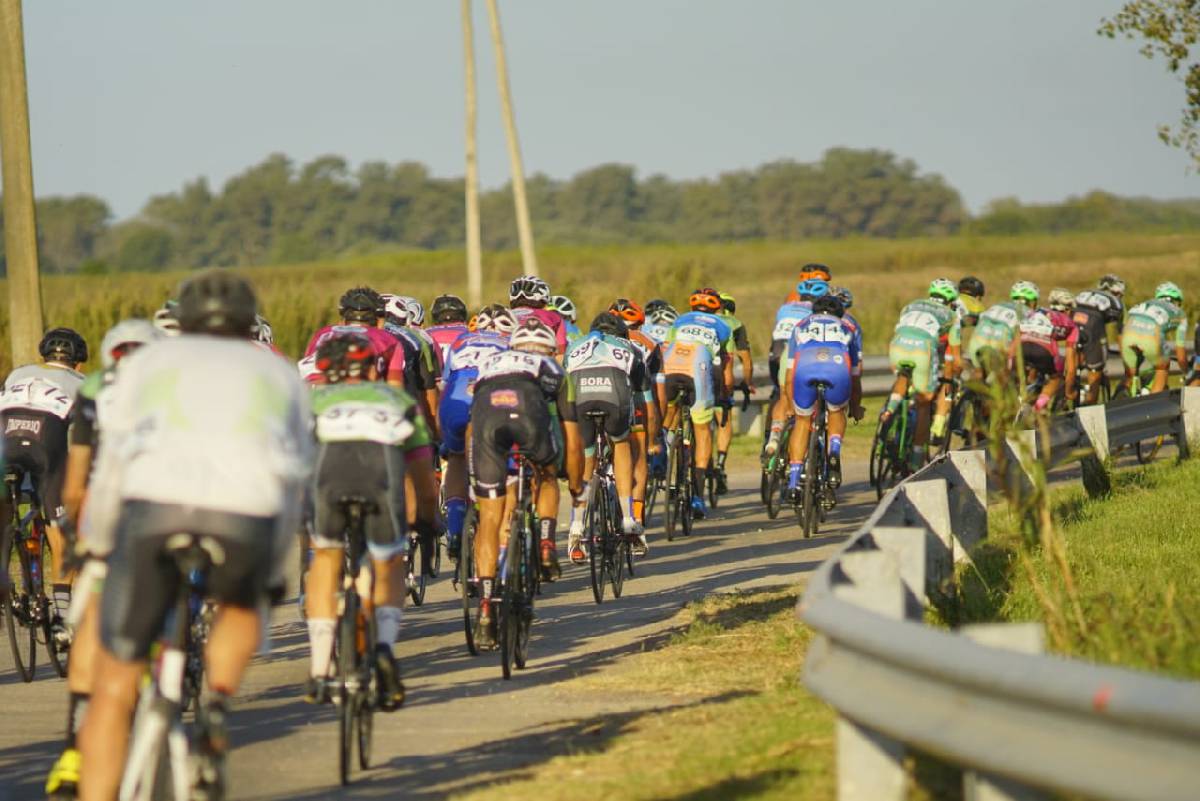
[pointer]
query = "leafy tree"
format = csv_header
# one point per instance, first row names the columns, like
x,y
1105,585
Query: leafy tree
x,y
144,247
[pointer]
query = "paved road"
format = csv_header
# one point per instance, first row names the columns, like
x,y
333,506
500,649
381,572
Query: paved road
x,y
463,722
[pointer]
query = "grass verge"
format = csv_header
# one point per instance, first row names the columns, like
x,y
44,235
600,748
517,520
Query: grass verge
x,y
736,724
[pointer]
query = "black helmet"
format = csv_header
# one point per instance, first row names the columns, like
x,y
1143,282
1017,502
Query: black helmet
x,y
970,285
448,309
829,304
63,345
361,305
216,301
611,324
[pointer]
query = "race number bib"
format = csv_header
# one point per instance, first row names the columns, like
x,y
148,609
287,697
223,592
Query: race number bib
x,y
920,320
1002,315
36,395
821,331
698,333
784,328
363,422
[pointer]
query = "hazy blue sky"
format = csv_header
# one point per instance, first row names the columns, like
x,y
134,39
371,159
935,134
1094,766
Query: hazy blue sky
x,y
1018,97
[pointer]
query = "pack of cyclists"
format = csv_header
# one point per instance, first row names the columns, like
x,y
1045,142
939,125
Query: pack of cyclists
x,y
419,425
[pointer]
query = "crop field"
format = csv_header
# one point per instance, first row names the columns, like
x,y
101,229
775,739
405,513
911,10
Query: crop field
x,y
884,274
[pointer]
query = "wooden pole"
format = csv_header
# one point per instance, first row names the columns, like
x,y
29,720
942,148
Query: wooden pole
x,y
20,226
524,230
474,259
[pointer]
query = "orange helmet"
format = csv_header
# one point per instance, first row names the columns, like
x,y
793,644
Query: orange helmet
x,y
705,300
793,296
814,271
628,310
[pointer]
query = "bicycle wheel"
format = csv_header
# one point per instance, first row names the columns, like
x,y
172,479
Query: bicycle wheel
x,y
617,546
529,586
509,614
812,477
653,488
19,611
685,497
710,485
466,574
347,662
366,729
416,574
46,613
671,513
595,528
764,486
878,458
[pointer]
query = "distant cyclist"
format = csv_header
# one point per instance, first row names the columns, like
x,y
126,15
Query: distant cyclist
x,y
741,347
422,357
789,314
1155,330
529,296
449,314
361,309
566,307
970,300
660,316
1095,311
998,327
646,417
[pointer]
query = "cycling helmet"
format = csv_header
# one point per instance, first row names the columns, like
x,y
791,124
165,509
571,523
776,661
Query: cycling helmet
x,y
416,310
728,304
815,271
530,288
1038,324
1167,290
345,356
628,310
166,319
63,345
944,290
829,304
216,301
1112,283
564,306
495,318
842,294
812,288
261,331
533,335
611,323
1026,291
662,315
361,305
448,309
124,337
657,306
1060,299
705,300
970,285
395,310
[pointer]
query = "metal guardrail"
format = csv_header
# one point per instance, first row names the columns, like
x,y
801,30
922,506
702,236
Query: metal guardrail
x,y
982,697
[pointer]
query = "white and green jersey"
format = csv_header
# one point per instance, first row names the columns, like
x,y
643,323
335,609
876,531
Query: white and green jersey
x,y
1159,317
1001,322
929,319
368,411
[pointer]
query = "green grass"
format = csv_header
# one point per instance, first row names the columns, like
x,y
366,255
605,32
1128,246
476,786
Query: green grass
x,y
738,722
1133,557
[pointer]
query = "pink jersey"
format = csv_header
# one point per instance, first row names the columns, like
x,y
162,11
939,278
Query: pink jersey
x,y
443,336
390,355
1065,330
550,318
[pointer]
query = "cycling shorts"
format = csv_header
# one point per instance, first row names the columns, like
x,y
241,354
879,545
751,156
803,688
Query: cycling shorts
x,y
1039,358
508,413
988,335
1144,346
368,470
1092,337
454,414
775,361
601,389
920,353
143,580
829,366
696,394
36,442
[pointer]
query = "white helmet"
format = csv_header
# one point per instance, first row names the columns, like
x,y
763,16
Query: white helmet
x,y
1060,299
416,310
497,319
126,332
1038,324
533,335
529,287
261,331
166,319
396,309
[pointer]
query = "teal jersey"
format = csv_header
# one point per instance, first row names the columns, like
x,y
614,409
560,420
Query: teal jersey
x,y
1169,320
928,318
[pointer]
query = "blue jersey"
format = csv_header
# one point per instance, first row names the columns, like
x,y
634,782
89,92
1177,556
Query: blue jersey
x,y
656,332
821,350
786,318
704,329
573,332
856,347
826,332
463,360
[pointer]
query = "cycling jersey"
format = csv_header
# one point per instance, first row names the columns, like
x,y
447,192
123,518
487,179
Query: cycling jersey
x,y
692,362
443,336
821,351
86,412
741,338
605,374
658,333
390,357
786,318
64,379
1152,329
421,358
996,329
574,333
553,319
458,380
1045,329
915,341
856,345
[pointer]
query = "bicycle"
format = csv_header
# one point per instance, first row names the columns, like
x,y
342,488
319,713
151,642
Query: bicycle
x,y
815,497
157,765
610,552
775,471
28,613
893,441
419,573
679,474
468,582
656,478
518,579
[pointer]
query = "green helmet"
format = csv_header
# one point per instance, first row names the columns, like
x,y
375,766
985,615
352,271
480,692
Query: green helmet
x,y
1169,291
1026,291
944,290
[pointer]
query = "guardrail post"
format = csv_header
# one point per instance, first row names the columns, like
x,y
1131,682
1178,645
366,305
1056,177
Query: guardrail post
x,y
928,503
968,499
870,766
1094,425
1189,407
1016,478
908,545
1028,638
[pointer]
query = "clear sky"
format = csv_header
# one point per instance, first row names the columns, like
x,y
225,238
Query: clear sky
x,y
131,98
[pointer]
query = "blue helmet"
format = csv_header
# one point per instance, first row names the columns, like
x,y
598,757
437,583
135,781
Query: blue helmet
x,y
813,288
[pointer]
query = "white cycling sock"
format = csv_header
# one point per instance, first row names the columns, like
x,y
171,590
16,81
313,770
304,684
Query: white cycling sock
x,y
387,624
320,640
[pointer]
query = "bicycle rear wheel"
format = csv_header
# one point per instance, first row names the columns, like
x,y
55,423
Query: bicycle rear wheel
x,y
508,623
47,611
595,527
417,579
347,662
710,485
653,489
466,574
529,586
19,611
814,466
366,729
618,546
671,512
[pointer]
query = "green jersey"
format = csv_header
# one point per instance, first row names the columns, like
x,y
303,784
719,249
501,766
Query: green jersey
x,y
1162,317
930,319
740,337
368,411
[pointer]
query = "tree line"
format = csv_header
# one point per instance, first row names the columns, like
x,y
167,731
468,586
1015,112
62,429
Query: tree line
x,y
280,212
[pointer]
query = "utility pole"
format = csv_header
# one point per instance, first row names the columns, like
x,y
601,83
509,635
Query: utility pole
x,y
474,258
524,230
20,226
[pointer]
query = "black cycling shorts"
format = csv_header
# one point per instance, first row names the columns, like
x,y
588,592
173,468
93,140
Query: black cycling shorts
x,y
367,470
604,389
143,580
507,413
1091,336
1038,358
36,443
774,358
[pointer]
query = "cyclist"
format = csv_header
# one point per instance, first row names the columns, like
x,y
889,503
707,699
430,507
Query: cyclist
x,y
566,307
605,373
35,405
741,346
822,350
915,346
369,435
184,453
449,314
493,325
1061,307
1095,310
789,314
815,271
660,316
514,404
1153,329
847,298
361,309
421,355
528,296
970,300
998,326
696,364
646,418
1038,348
